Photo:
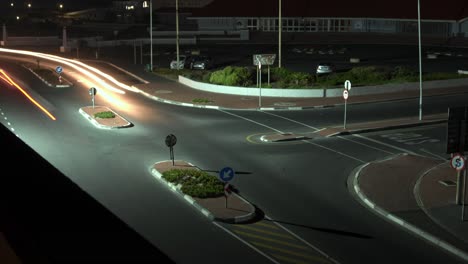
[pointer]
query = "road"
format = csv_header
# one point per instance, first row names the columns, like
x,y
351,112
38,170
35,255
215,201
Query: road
x,y
301,186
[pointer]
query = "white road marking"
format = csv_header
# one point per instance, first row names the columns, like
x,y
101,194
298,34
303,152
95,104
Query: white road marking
x,y
385,144
435,155
332,150
250,120
297,122
369,146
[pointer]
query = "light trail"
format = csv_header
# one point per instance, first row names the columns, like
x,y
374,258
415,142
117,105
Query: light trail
x,y
11,82
76,66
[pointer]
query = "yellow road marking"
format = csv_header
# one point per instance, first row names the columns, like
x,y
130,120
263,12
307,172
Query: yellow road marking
x,y
291,252
267,225
264,231
270,239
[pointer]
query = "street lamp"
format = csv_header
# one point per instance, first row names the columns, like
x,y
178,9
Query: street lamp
x,y
280,24
151,35
12,4
29,5
177,32
420,64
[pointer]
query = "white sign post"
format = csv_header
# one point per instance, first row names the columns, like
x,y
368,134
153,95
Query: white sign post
x,y
347,87
458,162
260,85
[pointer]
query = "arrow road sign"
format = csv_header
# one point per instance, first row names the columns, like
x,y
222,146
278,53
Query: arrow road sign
x,y
58,69
347,85
171,140
226,174
458,162
92,91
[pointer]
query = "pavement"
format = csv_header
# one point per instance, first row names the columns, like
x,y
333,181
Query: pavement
x,y
413,192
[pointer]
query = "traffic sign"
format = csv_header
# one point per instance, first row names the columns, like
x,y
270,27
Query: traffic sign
x,y
226,174
59,69
171,140
458,162
92,91
347,85
345,94
227,189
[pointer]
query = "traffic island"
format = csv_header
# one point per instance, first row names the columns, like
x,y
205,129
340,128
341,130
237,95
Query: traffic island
x,y
230,208
104,117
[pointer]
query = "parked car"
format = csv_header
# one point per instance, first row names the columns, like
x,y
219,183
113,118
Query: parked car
x,y
325,68
183,61
201,62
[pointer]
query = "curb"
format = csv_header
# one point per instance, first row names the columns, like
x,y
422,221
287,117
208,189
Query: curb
x,y
204,211
366,130
96,123
353,185
46,82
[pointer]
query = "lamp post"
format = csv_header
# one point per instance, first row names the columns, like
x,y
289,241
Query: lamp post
x,y
177,32
280,25
151,34
420,64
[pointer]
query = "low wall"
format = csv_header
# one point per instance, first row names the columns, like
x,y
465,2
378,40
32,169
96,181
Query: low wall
x,y
334,92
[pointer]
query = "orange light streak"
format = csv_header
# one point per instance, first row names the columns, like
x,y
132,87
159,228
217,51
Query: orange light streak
x,y
27,95
6,80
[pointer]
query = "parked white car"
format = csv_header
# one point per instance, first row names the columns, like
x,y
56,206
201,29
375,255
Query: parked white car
x,y
183,61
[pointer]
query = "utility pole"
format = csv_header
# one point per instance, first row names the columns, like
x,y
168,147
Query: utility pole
x,y
177,32
280,28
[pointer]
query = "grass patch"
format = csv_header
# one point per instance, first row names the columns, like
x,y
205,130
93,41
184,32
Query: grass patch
x,y
104,114
202,101
195,183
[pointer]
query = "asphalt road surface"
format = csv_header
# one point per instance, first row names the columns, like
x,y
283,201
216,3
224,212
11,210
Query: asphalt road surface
x,y
300,186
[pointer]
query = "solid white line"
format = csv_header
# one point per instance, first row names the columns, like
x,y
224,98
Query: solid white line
x,y
332,150
385,144
250,120
297,122
369,146
435,155
302,240
245,242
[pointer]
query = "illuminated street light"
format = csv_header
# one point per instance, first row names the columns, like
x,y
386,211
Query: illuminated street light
x,y
61,6
29,5
17,17
12,4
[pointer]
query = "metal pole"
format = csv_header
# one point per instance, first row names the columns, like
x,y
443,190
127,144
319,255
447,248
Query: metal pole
x,y
151,34
464,194
268,75
344,124
420,64
280,26
260,85
459,195
177,32
93,100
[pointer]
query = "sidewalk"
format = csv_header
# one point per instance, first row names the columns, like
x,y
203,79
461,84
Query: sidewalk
x,y
405,189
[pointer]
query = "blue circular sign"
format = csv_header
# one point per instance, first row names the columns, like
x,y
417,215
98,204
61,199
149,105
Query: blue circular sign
x,y
226,174
59,69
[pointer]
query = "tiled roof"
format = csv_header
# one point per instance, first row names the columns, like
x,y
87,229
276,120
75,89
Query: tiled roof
x,y
397,9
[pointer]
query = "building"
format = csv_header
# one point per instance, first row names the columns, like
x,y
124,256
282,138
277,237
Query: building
x,y
399,16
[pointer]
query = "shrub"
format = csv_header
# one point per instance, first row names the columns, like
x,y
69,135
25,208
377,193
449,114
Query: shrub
x,y
105,114
195,183
231,76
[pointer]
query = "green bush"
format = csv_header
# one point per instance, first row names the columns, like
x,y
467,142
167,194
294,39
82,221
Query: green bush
x,y
195,183
105,114
231,76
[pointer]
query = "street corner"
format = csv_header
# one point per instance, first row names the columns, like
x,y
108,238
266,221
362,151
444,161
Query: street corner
x,y
104,117
229,208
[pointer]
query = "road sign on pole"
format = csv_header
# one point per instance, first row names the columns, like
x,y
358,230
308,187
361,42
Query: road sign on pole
x,y
347,85
226,174
59,69
345,94
171,140
458,162
92,91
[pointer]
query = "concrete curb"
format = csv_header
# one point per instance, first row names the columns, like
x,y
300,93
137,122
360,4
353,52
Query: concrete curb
x,y
353,185
204,211
96,123
367,130
46,82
